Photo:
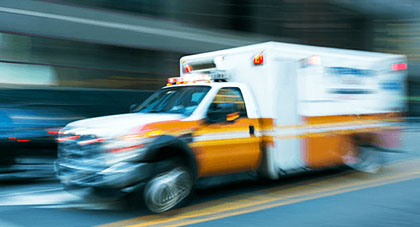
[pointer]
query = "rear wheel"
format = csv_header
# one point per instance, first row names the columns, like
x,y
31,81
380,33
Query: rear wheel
x,y
369,159
168,189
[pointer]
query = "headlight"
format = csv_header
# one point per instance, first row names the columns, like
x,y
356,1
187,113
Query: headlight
x,y
124,149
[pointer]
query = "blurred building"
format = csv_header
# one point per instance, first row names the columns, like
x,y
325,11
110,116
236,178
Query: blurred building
x,y
135,45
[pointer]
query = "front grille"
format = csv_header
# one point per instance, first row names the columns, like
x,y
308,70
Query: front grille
x,y
71,149
76,162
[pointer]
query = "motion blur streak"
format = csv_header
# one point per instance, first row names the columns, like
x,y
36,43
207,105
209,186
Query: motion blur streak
x,y
92,141
23,140
68,138
137,28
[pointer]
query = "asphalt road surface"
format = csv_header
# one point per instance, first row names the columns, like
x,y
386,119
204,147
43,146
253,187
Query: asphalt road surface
x,y
338,197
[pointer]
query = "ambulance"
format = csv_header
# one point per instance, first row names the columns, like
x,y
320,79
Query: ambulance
x,y
271,108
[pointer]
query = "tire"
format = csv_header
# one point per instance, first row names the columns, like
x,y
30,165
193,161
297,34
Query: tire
x,y
369,160
167,190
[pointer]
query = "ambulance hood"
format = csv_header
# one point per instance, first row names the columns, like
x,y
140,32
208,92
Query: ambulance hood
x,y
116,125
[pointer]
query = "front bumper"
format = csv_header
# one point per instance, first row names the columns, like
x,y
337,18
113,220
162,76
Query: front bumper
x,y
119,176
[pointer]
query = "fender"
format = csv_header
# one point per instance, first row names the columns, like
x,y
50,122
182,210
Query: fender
x,y
175,144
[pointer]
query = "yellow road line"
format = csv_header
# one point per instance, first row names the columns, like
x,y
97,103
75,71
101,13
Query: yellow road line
x,y
276,196
236,201
232,206
281,203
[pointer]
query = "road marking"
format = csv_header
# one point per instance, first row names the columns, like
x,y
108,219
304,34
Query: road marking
x,y
277,196
281,203
260,204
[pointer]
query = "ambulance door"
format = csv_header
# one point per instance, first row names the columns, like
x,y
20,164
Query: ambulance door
x,y
226,139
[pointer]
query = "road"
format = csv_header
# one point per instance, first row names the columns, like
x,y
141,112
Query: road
x,y
337,197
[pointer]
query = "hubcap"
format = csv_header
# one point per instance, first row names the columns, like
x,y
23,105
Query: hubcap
x,y
167,190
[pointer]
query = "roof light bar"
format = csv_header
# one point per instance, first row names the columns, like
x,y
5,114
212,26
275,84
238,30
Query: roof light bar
x,y
209,76
172,81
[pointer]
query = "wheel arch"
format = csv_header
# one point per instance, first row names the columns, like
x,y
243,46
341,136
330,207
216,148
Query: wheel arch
x,y
166,147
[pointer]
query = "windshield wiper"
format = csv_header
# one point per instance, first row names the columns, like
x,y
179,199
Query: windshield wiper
x,y
155,111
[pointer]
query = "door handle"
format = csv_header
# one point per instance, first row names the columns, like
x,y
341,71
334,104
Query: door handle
x,y
251,130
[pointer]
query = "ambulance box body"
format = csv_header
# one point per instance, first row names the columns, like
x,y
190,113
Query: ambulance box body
x,y
311,100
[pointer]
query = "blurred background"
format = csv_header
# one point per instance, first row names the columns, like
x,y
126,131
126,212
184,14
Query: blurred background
x,y
64,60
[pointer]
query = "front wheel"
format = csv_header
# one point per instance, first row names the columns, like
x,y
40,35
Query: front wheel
x,y
167,190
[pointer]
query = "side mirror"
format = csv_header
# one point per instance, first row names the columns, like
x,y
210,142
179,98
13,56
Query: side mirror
x,y
133,107
224,112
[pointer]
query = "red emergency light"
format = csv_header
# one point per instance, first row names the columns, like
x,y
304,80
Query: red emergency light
x,y
259,59
399,66
23,140
188,68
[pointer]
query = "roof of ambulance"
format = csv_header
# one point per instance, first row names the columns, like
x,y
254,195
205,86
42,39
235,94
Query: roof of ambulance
x,y
297,49
206,84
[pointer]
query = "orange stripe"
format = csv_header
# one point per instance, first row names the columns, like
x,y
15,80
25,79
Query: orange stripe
x,y
323,149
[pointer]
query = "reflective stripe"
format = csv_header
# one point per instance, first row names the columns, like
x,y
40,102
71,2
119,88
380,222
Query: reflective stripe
x,y
308,130
223,136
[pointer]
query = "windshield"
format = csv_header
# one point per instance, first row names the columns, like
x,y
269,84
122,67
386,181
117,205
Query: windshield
x,y
177,100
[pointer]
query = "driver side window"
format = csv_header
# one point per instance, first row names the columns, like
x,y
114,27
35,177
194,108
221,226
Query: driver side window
x,y
230,95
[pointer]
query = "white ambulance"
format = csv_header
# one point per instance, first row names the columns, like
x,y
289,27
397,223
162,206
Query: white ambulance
x,y
273,108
